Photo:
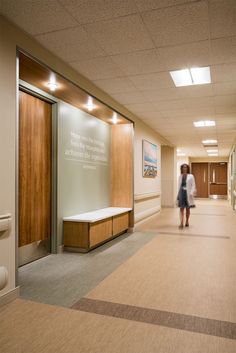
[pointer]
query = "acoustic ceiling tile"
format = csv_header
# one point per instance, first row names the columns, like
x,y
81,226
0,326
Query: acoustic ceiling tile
x,y
223,50
98,68
145,5
140,107
152,81
222,15
224,88
185,55
223,72
139,62
91,11
115,85
120,35
71,44
179,24
37,16
129,97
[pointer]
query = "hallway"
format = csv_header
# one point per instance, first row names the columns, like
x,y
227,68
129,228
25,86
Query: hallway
x,y
176,293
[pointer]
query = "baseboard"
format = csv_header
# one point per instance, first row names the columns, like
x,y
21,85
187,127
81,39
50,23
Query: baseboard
x,y
9,296
146,219
144,215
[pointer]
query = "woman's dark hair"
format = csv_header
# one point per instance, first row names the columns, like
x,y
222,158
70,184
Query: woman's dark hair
x,y
182,167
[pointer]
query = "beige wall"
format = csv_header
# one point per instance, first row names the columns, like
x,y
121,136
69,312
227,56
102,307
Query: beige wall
x,y
7,151
11,38
147,191
168,176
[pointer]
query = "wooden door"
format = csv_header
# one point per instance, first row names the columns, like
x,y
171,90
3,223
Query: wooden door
x,y
218,178
35,141
200,172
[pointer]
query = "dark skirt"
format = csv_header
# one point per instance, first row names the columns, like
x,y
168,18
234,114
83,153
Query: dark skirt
x,y
183,199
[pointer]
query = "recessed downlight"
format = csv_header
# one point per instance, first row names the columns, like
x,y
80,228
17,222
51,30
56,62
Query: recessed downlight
x,y
90,105
52,86
114,118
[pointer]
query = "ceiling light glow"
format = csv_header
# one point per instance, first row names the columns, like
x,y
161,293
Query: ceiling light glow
x,y
90,105
52,86
192,76
181,154
212,151
212,154
204,123
201,75
114,118
205,142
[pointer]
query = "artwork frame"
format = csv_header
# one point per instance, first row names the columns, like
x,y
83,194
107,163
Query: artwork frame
x,y
149,159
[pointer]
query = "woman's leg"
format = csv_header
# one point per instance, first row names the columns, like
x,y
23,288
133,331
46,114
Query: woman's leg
x,y
181,215
187,216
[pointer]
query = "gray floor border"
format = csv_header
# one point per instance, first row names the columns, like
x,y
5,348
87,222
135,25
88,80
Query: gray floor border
x,y
173,320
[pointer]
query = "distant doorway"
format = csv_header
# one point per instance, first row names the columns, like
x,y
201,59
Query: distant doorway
x,y
211,179
35,177
200,172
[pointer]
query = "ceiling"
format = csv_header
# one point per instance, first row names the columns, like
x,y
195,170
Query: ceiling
x,y
128,47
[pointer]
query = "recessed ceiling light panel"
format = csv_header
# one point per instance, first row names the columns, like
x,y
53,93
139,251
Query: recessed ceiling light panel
x,y
201,75
192,76
204,123
209,142
212,154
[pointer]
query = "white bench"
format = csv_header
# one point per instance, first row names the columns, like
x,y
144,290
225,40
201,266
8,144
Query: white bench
x,y
83,232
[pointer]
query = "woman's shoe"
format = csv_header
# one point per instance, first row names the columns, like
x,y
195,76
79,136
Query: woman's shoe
x,y
186,224
181,226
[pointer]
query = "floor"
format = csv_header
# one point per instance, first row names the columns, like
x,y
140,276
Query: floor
x,y
175,292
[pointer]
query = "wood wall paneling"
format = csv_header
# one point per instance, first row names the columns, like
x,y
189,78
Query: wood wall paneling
x,y
122,165
39,75
35,141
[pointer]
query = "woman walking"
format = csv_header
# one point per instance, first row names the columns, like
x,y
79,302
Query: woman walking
x,y
187,190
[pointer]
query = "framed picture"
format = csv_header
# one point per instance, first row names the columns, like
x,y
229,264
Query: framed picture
x,y
149,159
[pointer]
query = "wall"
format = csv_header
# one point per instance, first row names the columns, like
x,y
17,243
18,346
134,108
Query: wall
x,y
83,163
12,37
147,191
168,176
7,152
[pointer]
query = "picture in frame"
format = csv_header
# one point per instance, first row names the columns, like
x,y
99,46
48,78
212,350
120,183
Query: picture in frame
x,y
149,159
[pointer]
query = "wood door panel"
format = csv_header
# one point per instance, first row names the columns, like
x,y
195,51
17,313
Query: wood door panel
x,y
200,172
218,178
34,169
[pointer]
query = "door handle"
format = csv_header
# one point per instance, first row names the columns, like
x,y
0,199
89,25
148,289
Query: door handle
x,y
204,176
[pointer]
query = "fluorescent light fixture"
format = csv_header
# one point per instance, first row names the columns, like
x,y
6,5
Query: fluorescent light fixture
x,y
192,76
181,154
204,123
114,118
209,142
178,150
212,154
212,151
90,105
181,77
201,75
52,86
